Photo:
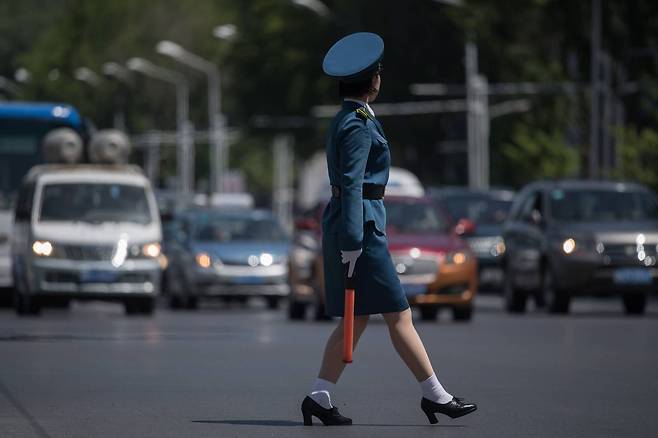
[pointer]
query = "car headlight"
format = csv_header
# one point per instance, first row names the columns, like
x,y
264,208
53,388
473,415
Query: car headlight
x,y
498,248
266,259
152,250
457,257
568,246
203,259
42,248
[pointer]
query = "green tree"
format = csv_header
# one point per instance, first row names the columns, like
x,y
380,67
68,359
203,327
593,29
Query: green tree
x,y
638,155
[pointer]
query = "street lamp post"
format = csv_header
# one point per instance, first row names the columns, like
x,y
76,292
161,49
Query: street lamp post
x,y
215,118
22,75
88,76
122,75
185,149
9,86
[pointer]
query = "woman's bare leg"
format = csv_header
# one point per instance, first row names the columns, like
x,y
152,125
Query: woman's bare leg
x,y
332,361
408,344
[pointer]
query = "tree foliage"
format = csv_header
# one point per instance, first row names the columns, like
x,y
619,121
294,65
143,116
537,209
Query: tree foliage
x,y
638,156
272,68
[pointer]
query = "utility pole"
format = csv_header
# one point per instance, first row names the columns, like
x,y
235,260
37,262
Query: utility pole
x,y
482,118
595,110
283,178
184,129
218,164
152,163
607,117
471,64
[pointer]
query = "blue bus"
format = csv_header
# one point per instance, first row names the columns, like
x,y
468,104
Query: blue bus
x,y
22,128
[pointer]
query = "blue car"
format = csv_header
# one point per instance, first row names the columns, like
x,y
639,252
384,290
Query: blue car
x,y
232,255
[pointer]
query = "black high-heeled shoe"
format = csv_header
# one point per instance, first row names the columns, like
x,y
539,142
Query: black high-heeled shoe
x,y
329,417
455,408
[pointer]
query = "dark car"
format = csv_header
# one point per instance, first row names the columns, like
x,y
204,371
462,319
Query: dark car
x,y
566,238
487,210
231,255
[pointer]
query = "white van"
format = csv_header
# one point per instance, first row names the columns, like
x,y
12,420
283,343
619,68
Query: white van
x,y
86,232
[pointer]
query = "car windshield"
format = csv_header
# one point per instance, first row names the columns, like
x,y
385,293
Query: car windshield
x,y
94,203
602,206
415,218
234,229
482,210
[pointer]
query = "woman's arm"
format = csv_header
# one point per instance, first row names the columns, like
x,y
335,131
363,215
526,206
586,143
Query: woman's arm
x,y
354,148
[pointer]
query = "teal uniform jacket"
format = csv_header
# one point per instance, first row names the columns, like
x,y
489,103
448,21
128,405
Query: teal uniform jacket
x,y
357,154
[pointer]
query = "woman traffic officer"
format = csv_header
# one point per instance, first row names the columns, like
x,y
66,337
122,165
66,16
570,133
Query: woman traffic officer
x,y
354,239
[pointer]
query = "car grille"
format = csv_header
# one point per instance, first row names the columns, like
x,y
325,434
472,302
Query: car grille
x,y
87,252
406,265
482,246
235,262
455,289
74,277
245,263
628,252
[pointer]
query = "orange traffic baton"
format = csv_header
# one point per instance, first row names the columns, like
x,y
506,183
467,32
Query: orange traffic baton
x,y
348,319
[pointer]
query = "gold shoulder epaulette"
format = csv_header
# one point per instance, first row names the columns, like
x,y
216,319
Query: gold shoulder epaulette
x,y
362,113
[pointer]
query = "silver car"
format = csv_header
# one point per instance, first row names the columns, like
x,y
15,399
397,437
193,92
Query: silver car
x,y
231,255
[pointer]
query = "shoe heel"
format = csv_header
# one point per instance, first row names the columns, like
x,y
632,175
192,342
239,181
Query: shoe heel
x,y
308,419
431,416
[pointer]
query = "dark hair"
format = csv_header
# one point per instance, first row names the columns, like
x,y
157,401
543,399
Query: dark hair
x,y
354,89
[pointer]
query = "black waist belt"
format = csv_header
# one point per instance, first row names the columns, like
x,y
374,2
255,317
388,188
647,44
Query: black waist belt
x,y
370,191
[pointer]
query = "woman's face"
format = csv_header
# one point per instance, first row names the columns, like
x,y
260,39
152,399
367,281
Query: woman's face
x,y
376,83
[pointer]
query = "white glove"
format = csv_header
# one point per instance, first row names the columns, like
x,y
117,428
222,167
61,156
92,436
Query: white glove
x,y
350,257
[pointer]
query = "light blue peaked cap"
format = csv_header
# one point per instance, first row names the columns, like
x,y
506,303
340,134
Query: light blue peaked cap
x,y
354,57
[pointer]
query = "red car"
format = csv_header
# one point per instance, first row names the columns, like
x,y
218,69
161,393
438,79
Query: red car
x,y
436,267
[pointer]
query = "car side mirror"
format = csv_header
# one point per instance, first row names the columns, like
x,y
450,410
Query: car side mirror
x,y
306,224
536,217
465,227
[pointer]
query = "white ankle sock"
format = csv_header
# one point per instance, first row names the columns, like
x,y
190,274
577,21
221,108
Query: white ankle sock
x,y
432,390
320,392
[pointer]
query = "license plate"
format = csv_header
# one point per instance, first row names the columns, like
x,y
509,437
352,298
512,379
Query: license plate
x,y
415,289
491,275
98,277
249,280
635,276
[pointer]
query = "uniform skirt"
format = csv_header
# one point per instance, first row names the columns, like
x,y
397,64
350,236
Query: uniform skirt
x,y
378,288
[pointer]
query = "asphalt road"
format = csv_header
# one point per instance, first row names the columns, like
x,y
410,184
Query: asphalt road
x,y
242,372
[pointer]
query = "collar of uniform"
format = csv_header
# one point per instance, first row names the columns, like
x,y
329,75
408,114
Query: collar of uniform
x,y
360,103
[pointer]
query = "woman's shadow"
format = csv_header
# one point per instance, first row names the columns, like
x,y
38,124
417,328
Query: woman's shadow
x,y
287,423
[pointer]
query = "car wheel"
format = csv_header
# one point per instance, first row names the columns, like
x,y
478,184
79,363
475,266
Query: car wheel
x,y
131,306
320,313
6,297
147,306
192,302
634,304
272,302
515,299
62,303
462,313
296,310
26,305
175,302
559,300
428,312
